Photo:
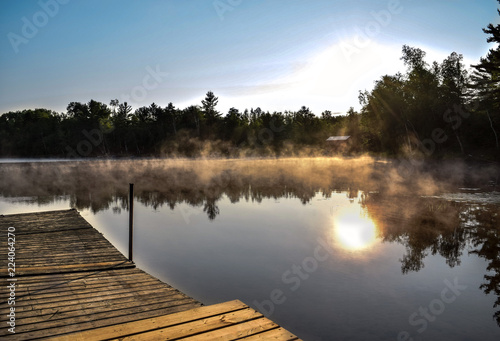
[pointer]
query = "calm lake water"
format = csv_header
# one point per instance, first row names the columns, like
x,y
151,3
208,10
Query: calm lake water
x,y
348,249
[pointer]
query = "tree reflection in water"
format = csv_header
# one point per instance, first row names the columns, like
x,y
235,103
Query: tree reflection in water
x,y
400,207
437,226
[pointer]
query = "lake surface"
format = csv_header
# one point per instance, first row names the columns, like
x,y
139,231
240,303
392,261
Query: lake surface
x,y
348,249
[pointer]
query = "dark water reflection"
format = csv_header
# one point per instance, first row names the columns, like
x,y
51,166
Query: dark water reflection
x,y
400,215
438,226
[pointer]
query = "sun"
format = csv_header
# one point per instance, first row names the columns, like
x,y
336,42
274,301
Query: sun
x,y
354,230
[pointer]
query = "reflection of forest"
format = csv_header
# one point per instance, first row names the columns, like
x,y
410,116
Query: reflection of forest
x,y
437,226
396,203
99,184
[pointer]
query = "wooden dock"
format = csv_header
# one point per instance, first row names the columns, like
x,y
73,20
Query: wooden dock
x,y
72,284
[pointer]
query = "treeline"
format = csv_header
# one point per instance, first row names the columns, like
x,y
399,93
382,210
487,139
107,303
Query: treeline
x,y
433,110
98,129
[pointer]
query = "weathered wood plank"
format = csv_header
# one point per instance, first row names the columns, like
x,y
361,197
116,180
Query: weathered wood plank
x,y
276,334
93,324
126,313
78,299
58,287
82,294
20,271
234,332
197,327
142,326
97,275
57,313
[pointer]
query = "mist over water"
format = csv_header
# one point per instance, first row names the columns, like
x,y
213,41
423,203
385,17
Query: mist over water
x,y
218,229
96,184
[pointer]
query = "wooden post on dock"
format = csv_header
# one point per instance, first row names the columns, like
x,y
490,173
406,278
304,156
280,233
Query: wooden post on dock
x,y
130,221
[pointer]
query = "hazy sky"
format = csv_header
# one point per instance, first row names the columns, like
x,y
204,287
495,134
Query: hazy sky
x,y
275,54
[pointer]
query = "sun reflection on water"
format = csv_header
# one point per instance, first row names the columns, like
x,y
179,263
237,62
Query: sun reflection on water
x,y
354,229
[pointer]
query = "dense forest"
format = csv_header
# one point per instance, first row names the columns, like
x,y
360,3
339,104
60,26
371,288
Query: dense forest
x,y
438,110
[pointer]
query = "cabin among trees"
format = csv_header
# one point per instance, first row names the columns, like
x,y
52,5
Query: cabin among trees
x,y
338,144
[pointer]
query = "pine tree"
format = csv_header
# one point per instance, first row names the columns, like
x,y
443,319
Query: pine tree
x,y
209,104
486,79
